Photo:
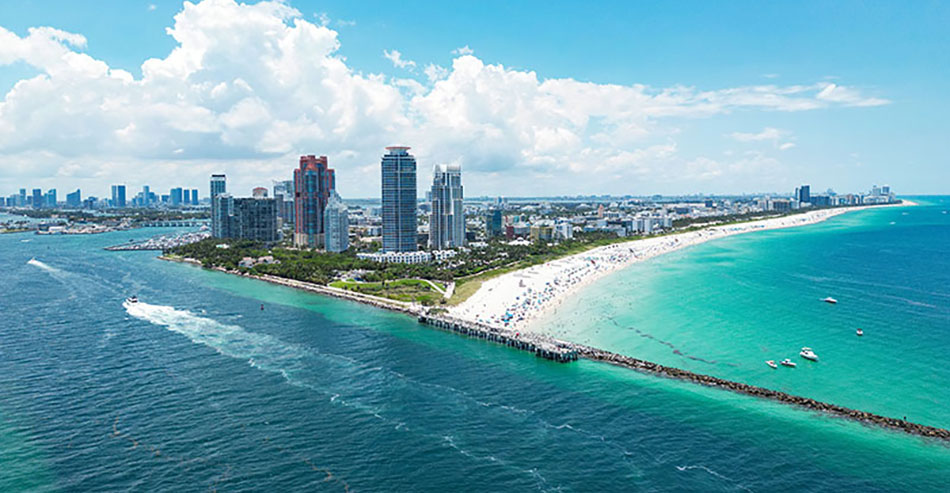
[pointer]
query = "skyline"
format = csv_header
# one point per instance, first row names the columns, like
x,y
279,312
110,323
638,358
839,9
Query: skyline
x,y
508,118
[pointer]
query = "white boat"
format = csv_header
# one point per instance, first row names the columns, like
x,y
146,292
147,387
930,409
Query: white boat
x,y
860,332
787,362
807,353
132,299
830,300
771,364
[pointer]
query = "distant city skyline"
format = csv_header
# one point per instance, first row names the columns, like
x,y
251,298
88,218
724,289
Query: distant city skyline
x,y
723,99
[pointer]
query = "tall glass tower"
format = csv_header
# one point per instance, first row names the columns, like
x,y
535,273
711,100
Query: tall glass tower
x,y
399,200
447,222
219,185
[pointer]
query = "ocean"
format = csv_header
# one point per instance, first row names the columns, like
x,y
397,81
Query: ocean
x,y
198,389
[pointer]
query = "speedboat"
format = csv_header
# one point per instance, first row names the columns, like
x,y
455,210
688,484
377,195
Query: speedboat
x,y
860,332
787,362
132,299
830,300
771,364
807,353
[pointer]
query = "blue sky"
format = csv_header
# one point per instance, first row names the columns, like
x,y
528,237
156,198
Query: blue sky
x,y
719,131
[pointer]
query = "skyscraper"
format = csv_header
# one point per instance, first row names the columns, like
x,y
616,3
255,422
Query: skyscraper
x,y
146,196
447,220
804,194
118,196
314,181
22,200
284,193
399,200
175,196
337,224
51,198
194,196
254,219
222,208
218,185
74,199
37,198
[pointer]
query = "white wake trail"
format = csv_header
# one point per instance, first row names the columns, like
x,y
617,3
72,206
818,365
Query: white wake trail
x,y
41,265
260,350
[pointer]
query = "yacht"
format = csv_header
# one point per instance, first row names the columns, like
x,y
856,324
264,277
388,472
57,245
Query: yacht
x,y
860,332
807,353
132,299
830,300
771,364
787,362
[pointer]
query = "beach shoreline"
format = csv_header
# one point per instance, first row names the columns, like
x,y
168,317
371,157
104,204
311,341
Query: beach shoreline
x,y
521,299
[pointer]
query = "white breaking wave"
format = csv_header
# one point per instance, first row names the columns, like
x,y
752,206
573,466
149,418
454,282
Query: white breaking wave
x,y
41,265
260,350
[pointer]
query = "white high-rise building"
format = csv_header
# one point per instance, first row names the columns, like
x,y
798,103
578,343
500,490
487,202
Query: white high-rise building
x,y
447,220
336,225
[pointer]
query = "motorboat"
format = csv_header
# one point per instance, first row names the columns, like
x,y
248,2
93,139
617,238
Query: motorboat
x,y
771,364
807,353
860,332
132,299
830,300
789,363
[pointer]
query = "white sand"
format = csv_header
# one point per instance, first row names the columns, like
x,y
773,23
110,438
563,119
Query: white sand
x,y
516,299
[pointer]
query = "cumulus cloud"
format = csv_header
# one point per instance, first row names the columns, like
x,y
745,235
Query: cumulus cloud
x,y
247,88
396,57
464,50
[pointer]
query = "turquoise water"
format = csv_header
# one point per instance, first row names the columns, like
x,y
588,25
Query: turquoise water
x,y
198,389
724,307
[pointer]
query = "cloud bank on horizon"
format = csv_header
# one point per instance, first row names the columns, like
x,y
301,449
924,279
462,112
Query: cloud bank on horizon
x,y
248,88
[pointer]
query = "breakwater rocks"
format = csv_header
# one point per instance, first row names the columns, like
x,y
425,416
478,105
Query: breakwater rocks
x,y
741,388
542,347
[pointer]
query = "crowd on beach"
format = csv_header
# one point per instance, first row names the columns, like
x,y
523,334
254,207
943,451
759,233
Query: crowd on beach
x,y
515,299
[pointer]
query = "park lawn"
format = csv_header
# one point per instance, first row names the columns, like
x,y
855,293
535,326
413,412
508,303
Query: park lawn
x,y
409,290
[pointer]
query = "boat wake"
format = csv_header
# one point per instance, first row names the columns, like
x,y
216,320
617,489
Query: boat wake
x,y
41,265
259,350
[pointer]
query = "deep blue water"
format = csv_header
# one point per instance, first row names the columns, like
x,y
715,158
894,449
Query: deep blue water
x,y
198,389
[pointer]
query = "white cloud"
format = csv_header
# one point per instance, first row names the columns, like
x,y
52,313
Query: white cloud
x,y
464,50
396,57
435,72
786,146
768,133
247,88
152,7
847,96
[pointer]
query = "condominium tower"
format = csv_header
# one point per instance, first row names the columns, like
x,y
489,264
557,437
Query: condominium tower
x,y
337,224
447,220
314,181
399,200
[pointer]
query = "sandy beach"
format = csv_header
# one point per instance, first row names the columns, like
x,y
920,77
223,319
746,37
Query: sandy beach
x,y
517,299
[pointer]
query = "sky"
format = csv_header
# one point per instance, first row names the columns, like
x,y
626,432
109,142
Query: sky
x,y
531,98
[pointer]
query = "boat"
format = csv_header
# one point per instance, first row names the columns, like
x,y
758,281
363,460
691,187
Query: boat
x,y
830,300
860,332
771,364
789,363
807,353
132,299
